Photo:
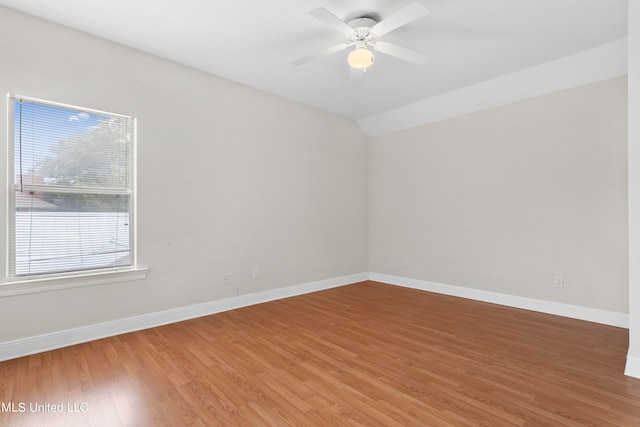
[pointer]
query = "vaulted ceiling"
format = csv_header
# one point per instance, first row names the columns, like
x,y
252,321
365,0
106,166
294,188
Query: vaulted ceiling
x,y
254,42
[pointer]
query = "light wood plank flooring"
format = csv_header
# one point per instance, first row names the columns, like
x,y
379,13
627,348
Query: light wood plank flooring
x,y
367,354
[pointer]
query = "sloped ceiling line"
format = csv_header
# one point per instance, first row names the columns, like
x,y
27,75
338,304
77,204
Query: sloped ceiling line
x,y
601,63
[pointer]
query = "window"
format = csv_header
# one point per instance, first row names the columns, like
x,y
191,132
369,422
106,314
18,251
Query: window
x,y
71,182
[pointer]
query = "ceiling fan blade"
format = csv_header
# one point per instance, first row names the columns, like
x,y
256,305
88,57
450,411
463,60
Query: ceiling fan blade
x,y
332,20
400,52
409,13
323,52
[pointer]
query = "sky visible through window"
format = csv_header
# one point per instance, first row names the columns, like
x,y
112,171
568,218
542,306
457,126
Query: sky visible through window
x,y
50,125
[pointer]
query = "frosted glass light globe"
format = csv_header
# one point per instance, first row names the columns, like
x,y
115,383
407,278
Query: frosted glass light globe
x,y
360,58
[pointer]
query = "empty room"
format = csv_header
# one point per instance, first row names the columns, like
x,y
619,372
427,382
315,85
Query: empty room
x,y
320,213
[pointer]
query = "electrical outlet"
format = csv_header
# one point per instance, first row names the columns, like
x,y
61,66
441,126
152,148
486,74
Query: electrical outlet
x,y
405,263
255,275
558,282
226,279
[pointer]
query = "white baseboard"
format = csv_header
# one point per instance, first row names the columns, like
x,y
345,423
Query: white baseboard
x,y
633,367
566,310
51,341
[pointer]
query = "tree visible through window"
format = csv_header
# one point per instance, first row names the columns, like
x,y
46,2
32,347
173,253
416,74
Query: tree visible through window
x,y
71,195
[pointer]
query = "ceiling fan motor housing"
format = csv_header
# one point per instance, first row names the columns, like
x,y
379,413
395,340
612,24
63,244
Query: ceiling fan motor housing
x,y
362,31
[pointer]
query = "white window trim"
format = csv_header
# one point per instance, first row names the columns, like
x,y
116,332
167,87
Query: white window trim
x,y
53,282
31,286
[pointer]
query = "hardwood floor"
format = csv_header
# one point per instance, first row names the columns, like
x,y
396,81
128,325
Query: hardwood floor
x,y
365,354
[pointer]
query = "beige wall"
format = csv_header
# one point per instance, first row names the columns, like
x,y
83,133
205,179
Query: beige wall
x,y
230,179
505,199
633,361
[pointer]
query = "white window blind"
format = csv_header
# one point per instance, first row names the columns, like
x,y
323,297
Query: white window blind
x,y
71,189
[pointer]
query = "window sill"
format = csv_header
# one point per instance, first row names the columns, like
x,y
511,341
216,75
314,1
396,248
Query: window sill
x,y
21,287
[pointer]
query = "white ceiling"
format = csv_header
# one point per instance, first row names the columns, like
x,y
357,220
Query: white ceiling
x,y
255,41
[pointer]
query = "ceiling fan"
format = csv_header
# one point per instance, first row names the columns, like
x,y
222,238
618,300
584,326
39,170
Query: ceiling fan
x,y
364,34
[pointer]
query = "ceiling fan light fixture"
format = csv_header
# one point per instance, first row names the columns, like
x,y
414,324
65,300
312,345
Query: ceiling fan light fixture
x,y
360,58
